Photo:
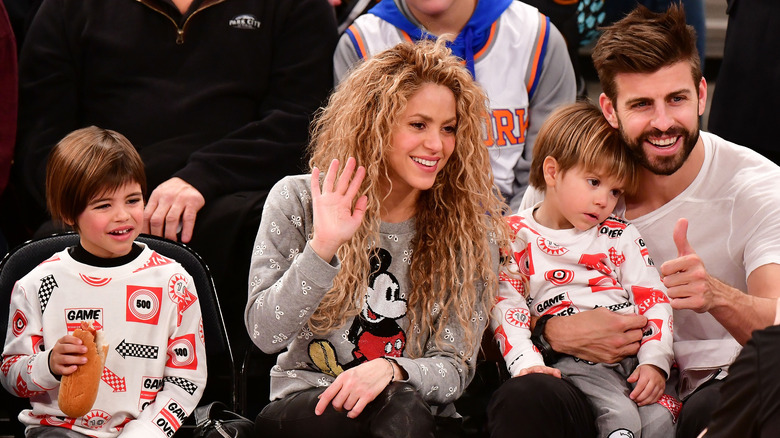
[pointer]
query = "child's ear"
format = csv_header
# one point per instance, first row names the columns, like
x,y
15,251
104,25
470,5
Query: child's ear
x,y
68,222
550,171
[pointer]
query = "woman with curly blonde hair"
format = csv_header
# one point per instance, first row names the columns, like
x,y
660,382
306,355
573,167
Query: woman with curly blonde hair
x,y
378,278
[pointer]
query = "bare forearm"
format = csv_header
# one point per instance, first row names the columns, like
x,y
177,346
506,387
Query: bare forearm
x,y
740,313
690,286
565,337
559,334
596,335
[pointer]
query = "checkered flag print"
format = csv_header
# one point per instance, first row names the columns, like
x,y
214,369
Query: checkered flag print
x,y
48,283
115,382
9,360
182,383
137,350
515,282
616,258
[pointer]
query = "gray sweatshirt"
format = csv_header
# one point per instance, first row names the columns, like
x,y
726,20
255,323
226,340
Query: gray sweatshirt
x,y
288,280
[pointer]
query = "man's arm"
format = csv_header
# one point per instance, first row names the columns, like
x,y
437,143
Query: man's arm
x,y
741,313
692,287
598,335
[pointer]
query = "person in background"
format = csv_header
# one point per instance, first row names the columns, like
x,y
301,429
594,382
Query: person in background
x,y
580,21
217,97
8,106
742,107
749,402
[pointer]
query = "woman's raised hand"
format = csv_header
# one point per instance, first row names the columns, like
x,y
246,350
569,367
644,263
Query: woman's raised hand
x,y
335,220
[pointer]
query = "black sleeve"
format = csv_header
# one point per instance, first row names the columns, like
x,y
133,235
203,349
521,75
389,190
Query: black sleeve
x,y
750,395
48,98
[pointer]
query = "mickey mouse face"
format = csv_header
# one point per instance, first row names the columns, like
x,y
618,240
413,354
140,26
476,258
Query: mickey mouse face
x,y
383,297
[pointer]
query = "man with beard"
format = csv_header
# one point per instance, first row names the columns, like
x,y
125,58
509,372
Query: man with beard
x,y
721,272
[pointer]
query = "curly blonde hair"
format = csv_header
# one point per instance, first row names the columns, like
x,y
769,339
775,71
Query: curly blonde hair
x,y
455,218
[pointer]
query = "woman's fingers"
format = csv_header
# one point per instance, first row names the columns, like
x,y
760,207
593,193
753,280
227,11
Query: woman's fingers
x,y
330,177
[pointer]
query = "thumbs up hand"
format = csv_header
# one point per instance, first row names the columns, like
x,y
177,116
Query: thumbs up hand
x,y
688,284
680,236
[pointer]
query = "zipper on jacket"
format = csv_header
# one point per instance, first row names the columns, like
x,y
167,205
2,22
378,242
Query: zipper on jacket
x,y
179,30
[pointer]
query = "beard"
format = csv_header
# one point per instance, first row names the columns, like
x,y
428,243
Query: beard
x,y
666,165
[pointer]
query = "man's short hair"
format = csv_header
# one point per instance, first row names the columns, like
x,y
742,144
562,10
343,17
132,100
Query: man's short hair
x,y
86,163
644,42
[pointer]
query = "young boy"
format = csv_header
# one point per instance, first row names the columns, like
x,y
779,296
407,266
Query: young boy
x,y
145,304
571,255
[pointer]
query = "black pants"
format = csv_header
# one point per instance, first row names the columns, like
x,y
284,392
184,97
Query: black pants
x,y
750,396
398,411
743,106
548,407
540,406
697,410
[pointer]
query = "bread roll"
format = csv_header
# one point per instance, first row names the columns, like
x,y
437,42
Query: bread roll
x,y
78,391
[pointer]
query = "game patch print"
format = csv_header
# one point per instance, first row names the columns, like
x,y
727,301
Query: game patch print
x,y
170,417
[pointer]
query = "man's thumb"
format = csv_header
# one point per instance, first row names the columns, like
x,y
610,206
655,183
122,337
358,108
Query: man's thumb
x,y
680,236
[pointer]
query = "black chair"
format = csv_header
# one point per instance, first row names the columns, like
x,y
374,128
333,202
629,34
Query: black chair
x,y
25,257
